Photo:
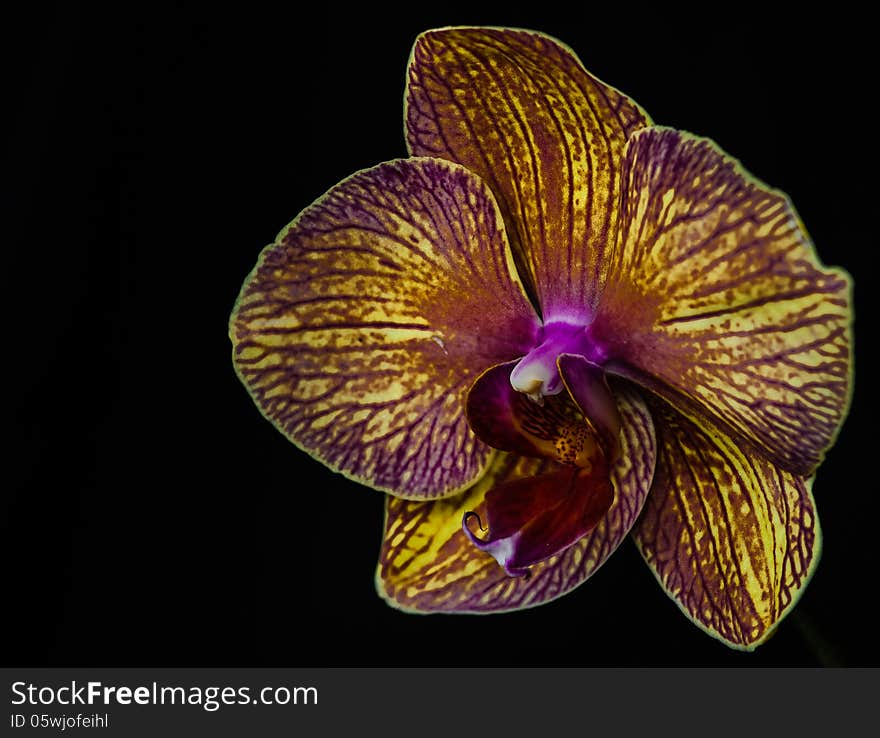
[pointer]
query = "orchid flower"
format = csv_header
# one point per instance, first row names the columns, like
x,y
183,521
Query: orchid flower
x,y
553,326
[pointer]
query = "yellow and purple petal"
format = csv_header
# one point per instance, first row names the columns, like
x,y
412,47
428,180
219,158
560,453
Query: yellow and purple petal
x,y
518,108
428,564
362,327
720,304
732,538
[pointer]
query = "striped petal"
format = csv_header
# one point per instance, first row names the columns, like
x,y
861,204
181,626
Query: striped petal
x,y
518,108
732,538
362,327
720,304
427,563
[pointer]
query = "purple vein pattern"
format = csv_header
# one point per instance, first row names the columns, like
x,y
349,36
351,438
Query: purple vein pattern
x,y
365,323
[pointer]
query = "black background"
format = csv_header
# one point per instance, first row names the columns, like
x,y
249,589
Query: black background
x,y
150,515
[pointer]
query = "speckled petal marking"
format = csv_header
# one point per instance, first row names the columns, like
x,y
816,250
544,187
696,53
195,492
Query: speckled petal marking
x,y
427,563
511,421
732,538
518,108
720,303
364,324
588,386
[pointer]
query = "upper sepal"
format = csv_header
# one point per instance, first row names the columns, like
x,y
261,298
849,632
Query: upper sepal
x,y
519,109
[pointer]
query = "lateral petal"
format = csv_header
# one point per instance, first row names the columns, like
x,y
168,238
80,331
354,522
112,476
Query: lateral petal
x,y
362,327
732,538
519,109
427,563
720,304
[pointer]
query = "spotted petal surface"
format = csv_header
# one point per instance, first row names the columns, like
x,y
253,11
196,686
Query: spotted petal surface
x,y
720,304
518,108
731,537
427,563
362,326
511,421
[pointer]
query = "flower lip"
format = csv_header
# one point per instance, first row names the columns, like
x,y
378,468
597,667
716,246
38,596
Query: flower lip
x,y
531,519
537,374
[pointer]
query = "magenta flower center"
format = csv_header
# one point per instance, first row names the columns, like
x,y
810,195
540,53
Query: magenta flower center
x,y
537,373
